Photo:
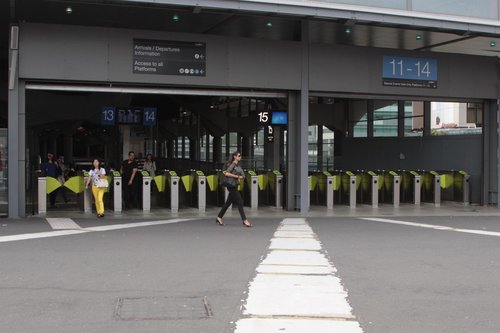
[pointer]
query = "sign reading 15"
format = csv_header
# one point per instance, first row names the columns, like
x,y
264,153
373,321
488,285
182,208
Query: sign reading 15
x,y
263,117
409,68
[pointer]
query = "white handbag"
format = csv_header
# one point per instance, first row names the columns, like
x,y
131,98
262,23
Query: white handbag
x,y
102,183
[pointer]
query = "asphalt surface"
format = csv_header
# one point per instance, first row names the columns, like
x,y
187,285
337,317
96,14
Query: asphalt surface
x,y
163,278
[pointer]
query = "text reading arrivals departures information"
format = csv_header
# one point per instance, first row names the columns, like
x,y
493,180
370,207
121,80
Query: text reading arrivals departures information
x,y
169,57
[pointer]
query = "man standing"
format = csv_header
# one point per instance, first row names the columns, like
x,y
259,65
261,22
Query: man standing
x,y
49,169
129,177
62,176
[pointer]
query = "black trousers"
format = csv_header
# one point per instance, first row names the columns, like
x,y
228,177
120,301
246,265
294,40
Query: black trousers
x,y
130,194
233,197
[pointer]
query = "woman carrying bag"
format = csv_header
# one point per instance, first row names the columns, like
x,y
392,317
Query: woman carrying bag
x,y
232,176
99,186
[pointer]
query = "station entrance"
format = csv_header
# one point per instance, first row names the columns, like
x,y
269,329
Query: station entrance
x,y
374,150
188,134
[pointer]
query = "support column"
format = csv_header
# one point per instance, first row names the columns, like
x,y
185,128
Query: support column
x,y
292,168
303,124
16,157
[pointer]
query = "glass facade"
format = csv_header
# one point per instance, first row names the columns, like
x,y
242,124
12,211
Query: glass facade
x,y
414,118
359,118
328,148
385,118
485,9
456,118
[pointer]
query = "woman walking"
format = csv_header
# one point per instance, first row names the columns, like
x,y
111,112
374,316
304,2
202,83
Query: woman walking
x,y
98,188
233,174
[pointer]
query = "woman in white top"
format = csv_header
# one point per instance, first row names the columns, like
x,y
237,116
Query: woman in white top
x,y
150,165
98,192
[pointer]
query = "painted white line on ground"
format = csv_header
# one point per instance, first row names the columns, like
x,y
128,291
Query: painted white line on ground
x,y
295,289
37,235
62,223
260,325
295,244
13,238
435,227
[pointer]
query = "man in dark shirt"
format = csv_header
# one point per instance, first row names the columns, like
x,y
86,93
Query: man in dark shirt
x,y
129,177
49,169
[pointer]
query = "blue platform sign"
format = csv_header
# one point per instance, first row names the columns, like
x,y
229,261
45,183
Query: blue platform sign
x,y
108,115
409,72
149,118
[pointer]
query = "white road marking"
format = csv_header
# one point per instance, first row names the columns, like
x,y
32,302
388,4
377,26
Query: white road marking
x,y
62,223
435,227
37,235
295,289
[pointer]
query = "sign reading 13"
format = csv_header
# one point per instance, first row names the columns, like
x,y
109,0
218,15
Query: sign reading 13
x,y
409,68
108,115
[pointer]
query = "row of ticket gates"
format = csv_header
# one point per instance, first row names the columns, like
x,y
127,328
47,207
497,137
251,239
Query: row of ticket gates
x,y
195,189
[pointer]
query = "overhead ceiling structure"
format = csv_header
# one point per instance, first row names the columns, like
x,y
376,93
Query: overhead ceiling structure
x,y
241,18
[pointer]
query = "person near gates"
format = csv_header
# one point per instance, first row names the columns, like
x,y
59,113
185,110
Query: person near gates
x,y
129,176
150,165
233,174
62,176
94,175
49,169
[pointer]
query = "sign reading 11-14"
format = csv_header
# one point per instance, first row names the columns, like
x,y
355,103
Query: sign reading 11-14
x,y
409,72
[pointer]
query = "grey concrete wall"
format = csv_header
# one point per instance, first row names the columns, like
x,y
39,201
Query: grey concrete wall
x,y
424,153
77,53
54,52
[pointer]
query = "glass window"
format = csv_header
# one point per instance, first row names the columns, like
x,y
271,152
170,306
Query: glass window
x,y
414,118
225,154
187,146
210,156
328,138
468,8
385,118
450,118
395,4
312,151
258,149
233,142
179,147
359,119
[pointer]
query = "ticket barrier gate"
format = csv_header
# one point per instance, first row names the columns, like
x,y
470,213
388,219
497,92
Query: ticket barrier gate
x,y
391,189
369,189
166,193
146,191
411,187
276,182
431,189
193,193
250,189
455,186
321,189
349,184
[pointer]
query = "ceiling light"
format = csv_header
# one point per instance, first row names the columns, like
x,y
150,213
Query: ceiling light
x,y
493,43
269,24
69,10
175,18
418,37
347,30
